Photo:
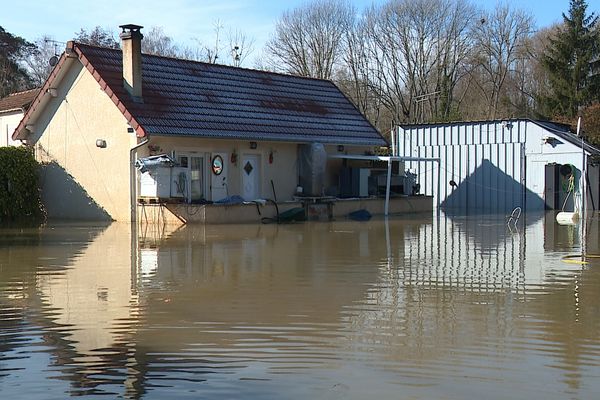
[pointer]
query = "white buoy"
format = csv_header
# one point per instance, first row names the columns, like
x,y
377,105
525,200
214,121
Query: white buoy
x,y
567,218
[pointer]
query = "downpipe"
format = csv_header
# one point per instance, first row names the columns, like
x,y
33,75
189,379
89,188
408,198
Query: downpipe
x,y
132,178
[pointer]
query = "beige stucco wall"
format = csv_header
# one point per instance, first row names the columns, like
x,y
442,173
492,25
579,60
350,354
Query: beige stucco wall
x,y
283,171
80,180
179,214
8,123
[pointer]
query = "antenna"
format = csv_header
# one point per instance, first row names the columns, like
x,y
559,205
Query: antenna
x,y
236,54
54,59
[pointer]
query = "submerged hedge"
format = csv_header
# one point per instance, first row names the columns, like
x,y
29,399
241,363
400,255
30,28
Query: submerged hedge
x,y
19,190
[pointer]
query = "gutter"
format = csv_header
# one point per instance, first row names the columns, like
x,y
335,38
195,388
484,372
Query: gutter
x,y
133,178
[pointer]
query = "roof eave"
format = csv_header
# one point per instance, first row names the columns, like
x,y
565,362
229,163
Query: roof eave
x,y
21,132
263,138
72,52
12,110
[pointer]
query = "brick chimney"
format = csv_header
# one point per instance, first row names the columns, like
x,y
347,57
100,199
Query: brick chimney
x,y
131,44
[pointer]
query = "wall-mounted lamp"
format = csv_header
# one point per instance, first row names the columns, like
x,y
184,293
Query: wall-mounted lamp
x,y
340,148
30,127
101,143
253,145
271,157
507,125
52,92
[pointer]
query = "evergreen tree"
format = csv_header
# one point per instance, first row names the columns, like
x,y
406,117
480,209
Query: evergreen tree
x,y
13,49
568,60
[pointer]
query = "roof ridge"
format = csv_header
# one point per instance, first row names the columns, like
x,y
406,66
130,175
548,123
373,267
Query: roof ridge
x,y
21,92
267,72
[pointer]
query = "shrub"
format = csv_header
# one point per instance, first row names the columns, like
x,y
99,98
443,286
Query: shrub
x,y
19,191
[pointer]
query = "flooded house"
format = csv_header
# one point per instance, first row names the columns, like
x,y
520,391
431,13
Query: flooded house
x,y
12,109
212,143
495,166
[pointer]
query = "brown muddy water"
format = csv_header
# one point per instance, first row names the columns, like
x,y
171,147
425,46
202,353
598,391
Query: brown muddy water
x,y
448,308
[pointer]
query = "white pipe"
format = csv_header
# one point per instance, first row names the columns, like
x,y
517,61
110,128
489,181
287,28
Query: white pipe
x,y
438,186
583,190
387,187
132,178
583,169
393,135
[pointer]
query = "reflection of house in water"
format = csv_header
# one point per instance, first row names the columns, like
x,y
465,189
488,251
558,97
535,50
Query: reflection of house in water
x,y
427,302
119,312
486,254
93,292
465,284
253,267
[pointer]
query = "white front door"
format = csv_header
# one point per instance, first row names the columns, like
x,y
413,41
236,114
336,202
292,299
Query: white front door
x,y
218,173
250,177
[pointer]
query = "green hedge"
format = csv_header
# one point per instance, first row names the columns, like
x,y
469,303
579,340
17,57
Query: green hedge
x,y
19,190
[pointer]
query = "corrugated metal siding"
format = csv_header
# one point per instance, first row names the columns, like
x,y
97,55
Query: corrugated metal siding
x,y
486,160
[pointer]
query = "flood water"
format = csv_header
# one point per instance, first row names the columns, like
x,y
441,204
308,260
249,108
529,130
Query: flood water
x,y
421,308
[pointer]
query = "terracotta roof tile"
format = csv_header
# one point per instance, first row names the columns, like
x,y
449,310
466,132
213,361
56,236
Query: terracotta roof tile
x,y
17,101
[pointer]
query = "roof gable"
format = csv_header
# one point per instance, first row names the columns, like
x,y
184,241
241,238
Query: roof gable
x,y
188,98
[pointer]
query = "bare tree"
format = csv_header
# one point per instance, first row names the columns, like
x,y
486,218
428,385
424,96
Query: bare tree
x,y
156,42
240,46
414,54
500,39
38,62
308,40
212,52
454,48
358,77
98,36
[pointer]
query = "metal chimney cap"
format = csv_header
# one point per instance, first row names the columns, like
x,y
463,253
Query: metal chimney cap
x,y
130,27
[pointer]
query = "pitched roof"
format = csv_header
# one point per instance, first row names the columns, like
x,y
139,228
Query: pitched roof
x,y
189,98
564,132
18,101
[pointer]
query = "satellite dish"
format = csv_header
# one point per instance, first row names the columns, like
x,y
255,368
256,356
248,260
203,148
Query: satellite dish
x,y
53,61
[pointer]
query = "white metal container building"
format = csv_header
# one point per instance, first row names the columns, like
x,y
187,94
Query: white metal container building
x,y
495,166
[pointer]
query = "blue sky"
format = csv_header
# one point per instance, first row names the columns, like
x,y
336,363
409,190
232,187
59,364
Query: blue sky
x,y
186,20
